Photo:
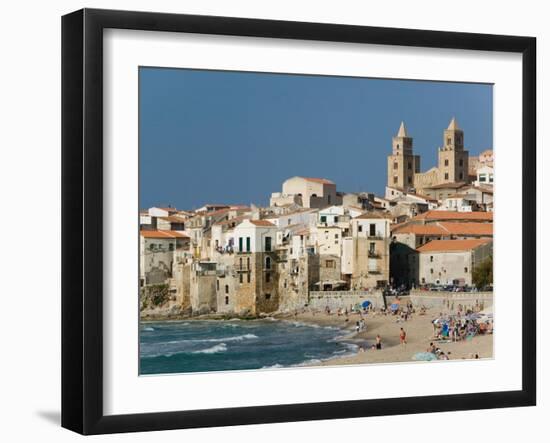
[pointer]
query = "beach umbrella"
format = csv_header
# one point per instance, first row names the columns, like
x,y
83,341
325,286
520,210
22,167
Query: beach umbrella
x,y
424,356
366,304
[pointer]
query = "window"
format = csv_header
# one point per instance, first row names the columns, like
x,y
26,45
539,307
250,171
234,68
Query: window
x,y
395,165
267,277
268,262
267,296
240,244
171,247
410,180
461,162
226,300
323,218
330,264
372,246
360,228
465,270
410,166
240,263
217,285
268,244
460,176
285,284
449,141
247,262
336,236
247,244
482,178
397,146
372,229
329,199
431,258
227,289
335,219
394,180
446,162
248,277
446,176
431,271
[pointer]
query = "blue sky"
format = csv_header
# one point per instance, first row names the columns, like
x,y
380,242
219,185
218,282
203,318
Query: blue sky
x,y
234,137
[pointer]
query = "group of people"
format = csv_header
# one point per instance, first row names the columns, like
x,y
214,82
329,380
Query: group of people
x,y
438,352
460,327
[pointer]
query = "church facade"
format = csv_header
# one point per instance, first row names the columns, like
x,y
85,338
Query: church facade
x,y
404,165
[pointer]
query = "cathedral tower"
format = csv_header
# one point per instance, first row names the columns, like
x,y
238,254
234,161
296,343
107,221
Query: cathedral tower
x,y
402,163
453,159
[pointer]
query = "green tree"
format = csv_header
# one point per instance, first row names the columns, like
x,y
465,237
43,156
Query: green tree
x,y
483,273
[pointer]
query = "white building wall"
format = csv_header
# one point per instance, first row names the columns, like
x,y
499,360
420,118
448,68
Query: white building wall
x,y
256,234
347,255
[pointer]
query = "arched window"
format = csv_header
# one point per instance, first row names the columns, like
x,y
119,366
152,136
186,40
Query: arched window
x,y
227,289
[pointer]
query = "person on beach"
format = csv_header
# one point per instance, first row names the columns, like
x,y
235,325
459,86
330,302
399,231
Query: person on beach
x,y
378,342
402,337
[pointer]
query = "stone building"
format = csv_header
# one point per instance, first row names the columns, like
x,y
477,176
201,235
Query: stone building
x,y
307,192
448,262
370,253
255,263
404,165
406,239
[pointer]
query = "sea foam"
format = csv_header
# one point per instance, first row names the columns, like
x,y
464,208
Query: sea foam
x,y
222,347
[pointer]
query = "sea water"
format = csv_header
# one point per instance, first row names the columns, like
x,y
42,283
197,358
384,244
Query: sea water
x,y
224,345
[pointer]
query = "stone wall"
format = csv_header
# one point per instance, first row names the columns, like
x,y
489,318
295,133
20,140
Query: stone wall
x,y
343,299
439,299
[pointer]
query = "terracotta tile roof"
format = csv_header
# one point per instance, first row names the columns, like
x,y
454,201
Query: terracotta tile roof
x,y
431,229
162,234
262,223
453,245
453,215
473,228
446,229
322,181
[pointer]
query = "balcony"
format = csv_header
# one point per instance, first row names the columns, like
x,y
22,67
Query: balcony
x,y
374,254
375,237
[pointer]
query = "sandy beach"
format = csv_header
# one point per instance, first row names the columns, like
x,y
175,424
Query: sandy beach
x,y
419,336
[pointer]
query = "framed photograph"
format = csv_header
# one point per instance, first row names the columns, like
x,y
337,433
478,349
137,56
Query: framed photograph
x,y
269,221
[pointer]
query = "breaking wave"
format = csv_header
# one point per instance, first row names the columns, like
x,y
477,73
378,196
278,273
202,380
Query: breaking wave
x,y
222,347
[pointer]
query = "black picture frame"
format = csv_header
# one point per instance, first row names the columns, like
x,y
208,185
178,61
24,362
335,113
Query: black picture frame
x,y
82,215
